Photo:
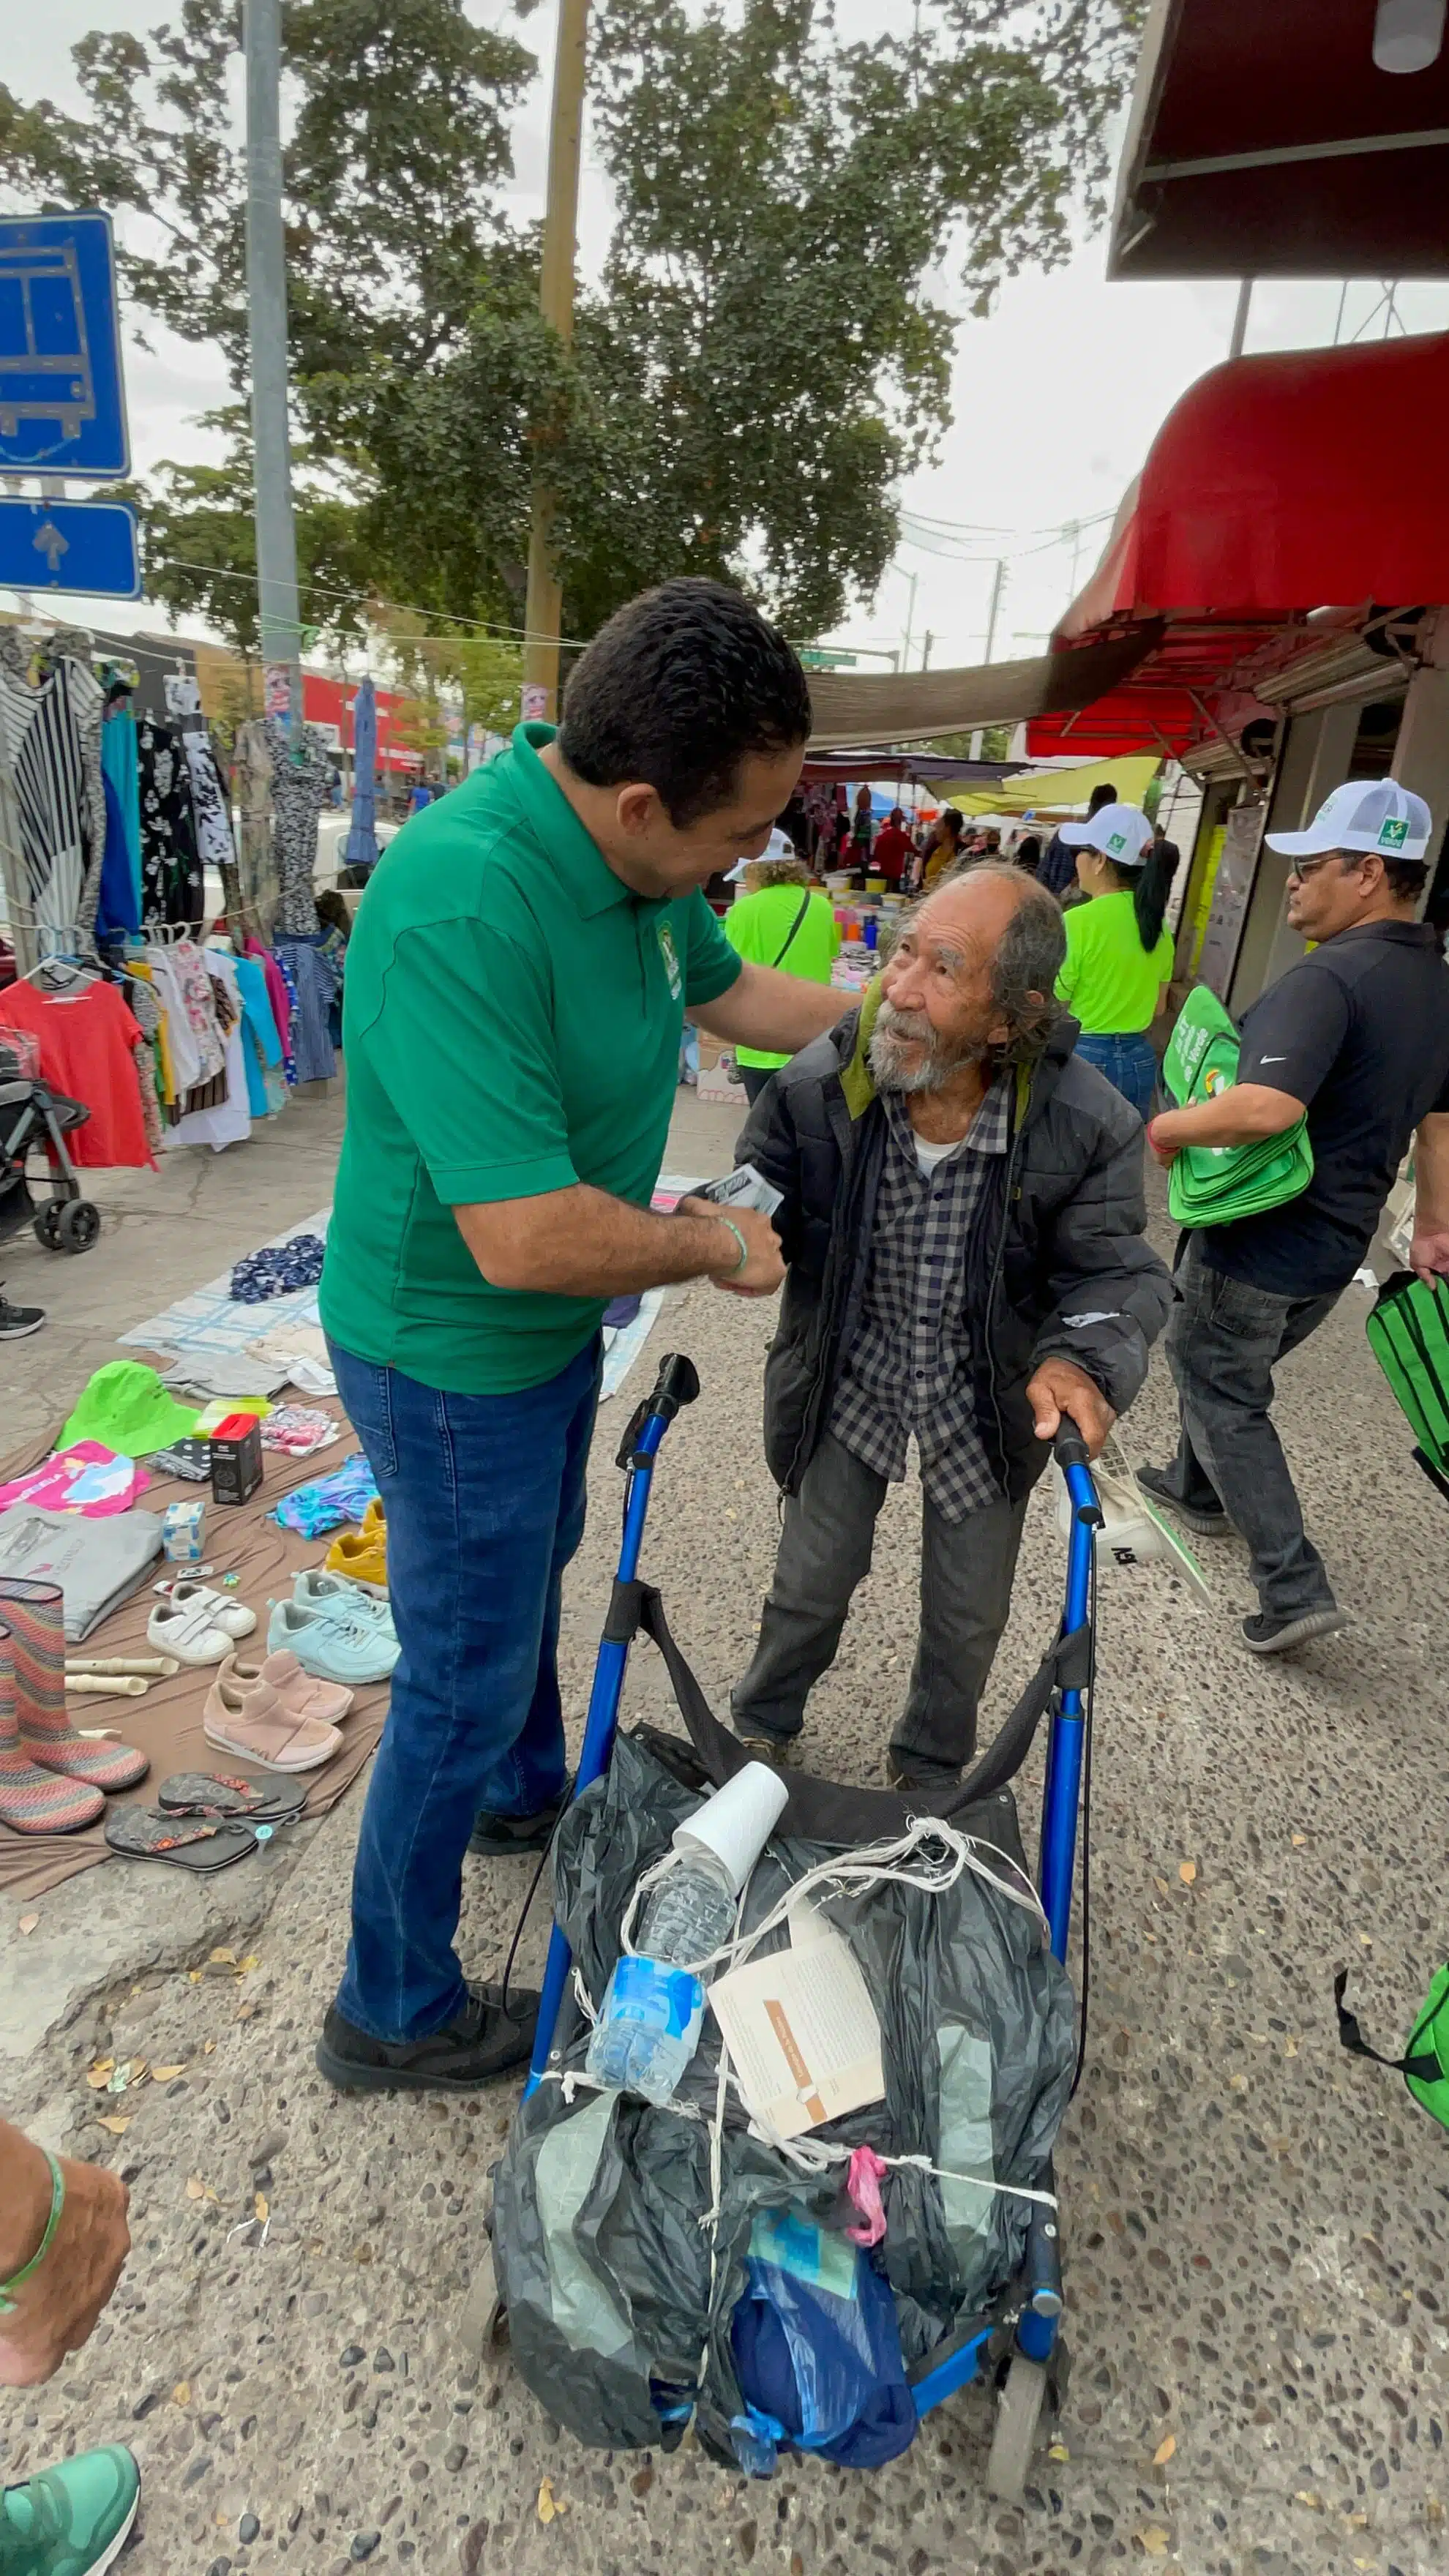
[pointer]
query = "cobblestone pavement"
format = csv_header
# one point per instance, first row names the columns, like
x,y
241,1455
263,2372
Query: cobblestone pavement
x,y
1255,2225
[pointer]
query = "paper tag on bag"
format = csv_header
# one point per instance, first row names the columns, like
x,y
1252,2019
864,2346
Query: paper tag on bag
x,y
802,2032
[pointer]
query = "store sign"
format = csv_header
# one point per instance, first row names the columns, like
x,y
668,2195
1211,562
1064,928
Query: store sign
x,y
1232,886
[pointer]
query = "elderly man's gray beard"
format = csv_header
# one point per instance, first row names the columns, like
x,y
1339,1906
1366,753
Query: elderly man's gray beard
x,y
896,1033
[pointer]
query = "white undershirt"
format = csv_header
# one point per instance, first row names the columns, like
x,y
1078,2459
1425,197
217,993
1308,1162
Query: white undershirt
x,y
928,1156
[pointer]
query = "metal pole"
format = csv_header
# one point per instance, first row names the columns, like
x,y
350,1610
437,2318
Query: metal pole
x,y
1240,318
267,327
543,614
912,578
997,587
926,650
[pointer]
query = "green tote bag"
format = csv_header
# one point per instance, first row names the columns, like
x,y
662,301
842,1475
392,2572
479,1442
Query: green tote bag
x,y
1217,1184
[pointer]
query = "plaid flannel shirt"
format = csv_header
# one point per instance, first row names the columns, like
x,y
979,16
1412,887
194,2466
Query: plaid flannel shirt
x,y
908,1368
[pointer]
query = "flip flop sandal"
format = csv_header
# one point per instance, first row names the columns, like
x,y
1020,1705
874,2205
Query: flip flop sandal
x,y
209,1793
142,1833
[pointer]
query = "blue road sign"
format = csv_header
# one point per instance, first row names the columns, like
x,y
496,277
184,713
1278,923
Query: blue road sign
x,y
62,400
70,545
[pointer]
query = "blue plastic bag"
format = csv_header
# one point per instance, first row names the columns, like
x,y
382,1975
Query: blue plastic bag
x,y
817,2351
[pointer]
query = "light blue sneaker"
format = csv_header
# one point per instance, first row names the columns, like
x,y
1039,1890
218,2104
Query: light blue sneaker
x,y
337,1642
315,1590
73,2519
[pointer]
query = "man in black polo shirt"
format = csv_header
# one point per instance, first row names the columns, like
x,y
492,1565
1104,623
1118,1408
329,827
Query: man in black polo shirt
x,y
1356,1034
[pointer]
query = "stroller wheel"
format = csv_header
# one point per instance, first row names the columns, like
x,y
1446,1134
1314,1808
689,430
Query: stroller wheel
x,y
1018,2413
43,1223
77,1226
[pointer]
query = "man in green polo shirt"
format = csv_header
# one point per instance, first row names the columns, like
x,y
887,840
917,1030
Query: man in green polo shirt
x,y
516,984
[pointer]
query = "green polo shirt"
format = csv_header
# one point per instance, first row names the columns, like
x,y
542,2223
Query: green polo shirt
x,y
511,1025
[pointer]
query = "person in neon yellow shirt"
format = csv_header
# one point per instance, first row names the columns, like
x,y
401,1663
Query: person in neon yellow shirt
x,y
781,921
1118,963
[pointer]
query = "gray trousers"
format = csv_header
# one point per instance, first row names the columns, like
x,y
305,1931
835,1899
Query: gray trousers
x,y
1223,1341
825,1551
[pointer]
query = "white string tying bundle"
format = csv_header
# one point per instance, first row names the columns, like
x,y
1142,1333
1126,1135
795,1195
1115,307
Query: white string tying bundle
x,y
931,1856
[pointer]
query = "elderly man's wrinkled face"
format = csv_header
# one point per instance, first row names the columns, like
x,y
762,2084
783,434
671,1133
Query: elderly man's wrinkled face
x,y
937,1011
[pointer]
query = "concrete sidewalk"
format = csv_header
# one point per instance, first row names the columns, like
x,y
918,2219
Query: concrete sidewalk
x,y
1256,2226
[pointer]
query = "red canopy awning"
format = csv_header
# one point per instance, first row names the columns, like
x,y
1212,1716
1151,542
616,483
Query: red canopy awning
x,y
1277,485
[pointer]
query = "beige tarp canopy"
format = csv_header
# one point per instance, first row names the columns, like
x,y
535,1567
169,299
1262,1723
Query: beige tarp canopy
x,y
914,706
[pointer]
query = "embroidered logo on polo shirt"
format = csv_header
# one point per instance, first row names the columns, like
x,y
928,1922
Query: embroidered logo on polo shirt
x,y
670,955
1394,833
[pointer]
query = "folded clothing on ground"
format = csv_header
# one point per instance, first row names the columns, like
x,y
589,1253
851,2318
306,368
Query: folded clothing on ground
x,y
97,1564
89,1479
205,1378
278,1269
126,1407
298,1429
329,1501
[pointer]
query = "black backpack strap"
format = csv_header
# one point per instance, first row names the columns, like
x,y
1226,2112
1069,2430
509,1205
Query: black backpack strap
x,y
794,926
826,1811
1425,2069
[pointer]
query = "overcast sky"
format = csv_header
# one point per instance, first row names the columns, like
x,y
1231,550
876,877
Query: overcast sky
x,y
1056,399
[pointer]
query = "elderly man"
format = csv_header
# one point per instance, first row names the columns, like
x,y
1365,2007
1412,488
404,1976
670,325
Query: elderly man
x,y
963,1223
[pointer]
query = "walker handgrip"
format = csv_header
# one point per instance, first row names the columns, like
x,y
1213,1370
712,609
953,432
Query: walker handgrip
x,y
676,1384
1069,1448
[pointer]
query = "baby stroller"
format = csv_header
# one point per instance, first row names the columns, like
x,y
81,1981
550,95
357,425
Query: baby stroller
x,y
33,1117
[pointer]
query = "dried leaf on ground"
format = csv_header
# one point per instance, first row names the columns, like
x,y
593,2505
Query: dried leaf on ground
x,y
223,1959
100,2074
196,2189
1162,1887
259,2204
1298,1841
1164,2452
1237,2083
550,2506
1058,2451
181,2393
1154,2540
1187,1871
245,1966
165,2074
118,2122
27,1923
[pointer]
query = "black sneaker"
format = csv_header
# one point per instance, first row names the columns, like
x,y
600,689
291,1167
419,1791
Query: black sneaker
x,y
1213,1523
495,1837
17,1321
480,2042
1265,1635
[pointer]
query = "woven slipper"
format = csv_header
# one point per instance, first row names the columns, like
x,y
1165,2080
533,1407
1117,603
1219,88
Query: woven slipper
x,y
142,1833
210,1793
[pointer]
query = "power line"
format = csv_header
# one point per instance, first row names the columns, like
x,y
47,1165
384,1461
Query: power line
x,y
369,598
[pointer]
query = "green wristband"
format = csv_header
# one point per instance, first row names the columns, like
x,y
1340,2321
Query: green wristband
x,y
744,1248
57,2204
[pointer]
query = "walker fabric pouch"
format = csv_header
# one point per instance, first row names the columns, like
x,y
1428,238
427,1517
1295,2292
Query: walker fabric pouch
x,y
1218,1184
1408,1331
1424,2065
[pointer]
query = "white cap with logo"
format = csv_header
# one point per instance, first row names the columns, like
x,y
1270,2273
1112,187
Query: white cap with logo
x,y
1120,832
1366,814
779,846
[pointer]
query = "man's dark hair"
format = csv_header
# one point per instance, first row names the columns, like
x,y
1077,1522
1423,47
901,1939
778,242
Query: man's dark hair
x,y
1405,878
1104,793
954,820
677,689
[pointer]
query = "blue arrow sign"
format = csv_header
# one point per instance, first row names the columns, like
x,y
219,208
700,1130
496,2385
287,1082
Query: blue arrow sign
x,y
70,545
62,399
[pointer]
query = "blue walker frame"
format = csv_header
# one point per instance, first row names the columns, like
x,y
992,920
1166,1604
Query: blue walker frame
x,y
1038,2322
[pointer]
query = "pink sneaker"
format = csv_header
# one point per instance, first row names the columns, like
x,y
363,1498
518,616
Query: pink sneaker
x,y
297,1690
253,1723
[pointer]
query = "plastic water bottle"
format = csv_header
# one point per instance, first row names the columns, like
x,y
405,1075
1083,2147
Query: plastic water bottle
x,y
653,2007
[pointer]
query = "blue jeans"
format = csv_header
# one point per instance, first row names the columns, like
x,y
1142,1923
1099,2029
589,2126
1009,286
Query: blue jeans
x,y
1128,1063
484,1496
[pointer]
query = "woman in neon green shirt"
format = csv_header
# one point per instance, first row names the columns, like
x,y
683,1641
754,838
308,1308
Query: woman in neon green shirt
x,y
782,922
1119,957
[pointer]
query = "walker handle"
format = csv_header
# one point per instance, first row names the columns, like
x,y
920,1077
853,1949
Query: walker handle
x,y
1069,1448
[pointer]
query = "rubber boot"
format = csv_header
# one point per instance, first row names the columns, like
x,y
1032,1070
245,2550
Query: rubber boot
x,y
33,1801
34,1614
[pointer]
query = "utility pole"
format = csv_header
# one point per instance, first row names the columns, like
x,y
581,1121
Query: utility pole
x,y
267,326
926,650
1240,318
542,617
912,578
998,585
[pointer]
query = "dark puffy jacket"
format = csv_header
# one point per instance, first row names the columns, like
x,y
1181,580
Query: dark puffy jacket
x,y
1058,1265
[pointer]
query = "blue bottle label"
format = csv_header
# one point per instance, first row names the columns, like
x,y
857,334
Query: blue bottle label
x,y
664,1999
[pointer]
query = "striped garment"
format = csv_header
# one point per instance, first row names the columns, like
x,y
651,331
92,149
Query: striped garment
x,y
50,742
908,1368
